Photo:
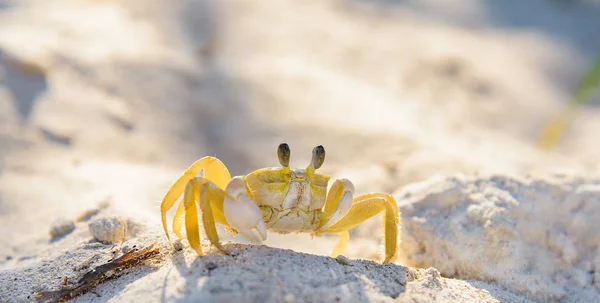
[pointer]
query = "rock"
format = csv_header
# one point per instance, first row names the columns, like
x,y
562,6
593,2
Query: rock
x,y
127,248
111,230
108,230
342,260
178,245
534,236
61,228
88,214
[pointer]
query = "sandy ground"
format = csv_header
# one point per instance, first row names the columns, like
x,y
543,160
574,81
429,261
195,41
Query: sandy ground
x,y
108,101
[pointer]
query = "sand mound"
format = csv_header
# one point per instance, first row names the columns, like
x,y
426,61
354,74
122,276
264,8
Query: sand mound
x,y
535,236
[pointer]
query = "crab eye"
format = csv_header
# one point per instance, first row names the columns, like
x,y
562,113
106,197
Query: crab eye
x,y
283,153
318,156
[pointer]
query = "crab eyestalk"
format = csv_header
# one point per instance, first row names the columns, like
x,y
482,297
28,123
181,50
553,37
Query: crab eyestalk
x,y
318,157
283,153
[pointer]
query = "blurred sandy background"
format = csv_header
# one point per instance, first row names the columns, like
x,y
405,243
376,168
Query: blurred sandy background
x,y
111,100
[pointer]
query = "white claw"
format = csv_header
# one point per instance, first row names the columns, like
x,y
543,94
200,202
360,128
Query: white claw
x,y
242,213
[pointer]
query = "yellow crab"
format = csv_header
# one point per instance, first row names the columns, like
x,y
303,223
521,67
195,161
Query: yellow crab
x,y
280,199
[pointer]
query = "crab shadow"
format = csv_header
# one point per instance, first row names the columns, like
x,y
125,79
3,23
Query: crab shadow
x,y
258,273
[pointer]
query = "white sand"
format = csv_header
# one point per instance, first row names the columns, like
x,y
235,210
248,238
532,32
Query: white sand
x,y
536,237
105,101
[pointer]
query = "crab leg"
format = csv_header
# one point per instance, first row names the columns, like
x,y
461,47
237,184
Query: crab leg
x,y
191,217
211,203
341,246
179,220
338,203
201,191
365,207
213,169
233,208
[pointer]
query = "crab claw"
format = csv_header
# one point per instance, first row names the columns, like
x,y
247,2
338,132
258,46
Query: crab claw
x,y
243,214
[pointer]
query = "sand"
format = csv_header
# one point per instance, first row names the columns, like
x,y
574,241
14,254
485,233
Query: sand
x,y
103,104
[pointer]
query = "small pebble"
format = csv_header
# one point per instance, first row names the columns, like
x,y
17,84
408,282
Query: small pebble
x,y
177,245
211,266
86,215
125,249
342,260
108,230
433,272
61,227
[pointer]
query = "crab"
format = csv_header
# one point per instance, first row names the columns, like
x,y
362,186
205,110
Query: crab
x,y
279,199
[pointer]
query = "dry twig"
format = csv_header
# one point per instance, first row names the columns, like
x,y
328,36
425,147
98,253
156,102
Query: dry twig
x,y
100,274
